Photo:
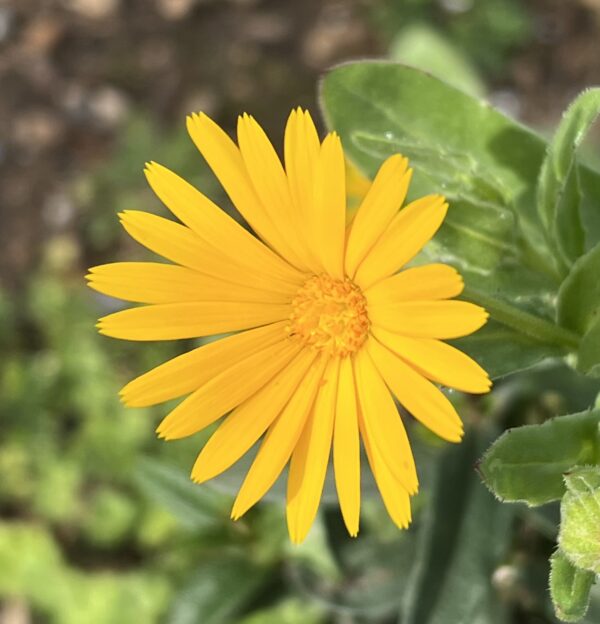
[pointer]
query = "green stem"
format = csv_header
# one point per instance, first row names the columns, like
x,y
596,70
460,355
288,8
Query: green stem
x,y
528,324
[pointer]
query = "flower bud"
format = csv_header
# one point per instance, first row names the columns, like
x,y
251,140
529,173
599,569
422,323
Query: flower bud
x,y
579,536
569,588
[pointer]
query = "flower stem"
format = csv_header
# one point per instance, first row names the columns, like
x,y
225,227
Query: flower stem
x,y
524,322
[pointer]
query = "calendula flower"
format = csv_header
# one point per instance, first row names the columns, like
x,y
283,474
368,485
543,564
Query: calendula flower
x,y
328,329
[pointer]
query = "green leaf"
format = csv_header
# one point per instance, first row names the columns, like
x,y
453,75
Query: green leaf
x,y
479,231
423,47
195,506
559,193
569,588
502,350
464,538
440,128
288,611
527,463
578,537
487,166
218,591
579,294
588,356
590,215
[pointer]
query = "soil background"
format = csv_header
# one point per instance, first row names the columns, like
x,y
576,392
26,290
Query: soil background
x,y
72,71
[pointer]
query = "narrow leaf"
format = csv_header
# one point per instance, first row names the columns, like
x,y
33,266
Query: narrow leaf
x,y
465,535
217,592
588,356
195,506
559,193
579,295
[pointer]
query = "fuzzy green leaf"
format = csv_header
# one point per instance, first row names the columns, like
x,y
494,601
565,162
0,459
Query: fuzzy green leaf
x,y
579,295
559,193
569,588
458,144
528,463
588,356
502,350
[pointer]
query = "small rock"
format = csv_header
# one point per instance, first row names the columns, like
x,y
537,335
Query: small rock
x,y
15,612
73,100
174,9
6,22
205,100
59,210
108,106
41,34
93,9
592,4
457,6
157,54
267,27
37,129
337,32
506,101
505,578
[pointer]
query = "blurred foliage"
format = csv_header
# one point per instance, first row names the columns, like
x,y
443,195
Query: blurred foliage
x,y
423,47
486,32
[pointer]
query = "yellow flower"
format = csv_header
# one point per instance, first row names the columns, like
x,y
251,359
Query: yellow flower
x,y
331,329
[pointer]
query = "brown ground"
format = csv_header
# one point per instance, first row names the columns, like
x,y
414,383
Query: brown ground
x,y
71,70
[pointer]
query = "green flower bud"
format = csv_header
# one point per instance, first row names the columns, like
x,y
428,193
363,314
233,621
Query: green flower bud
x,y
579,536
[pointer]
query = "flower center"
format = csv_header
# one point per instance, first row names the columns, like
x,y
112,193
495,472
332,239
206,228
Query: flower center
x,y
330,315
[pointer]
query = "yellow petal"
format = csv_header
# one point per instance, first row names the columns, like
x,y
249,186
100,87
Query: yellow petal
x,y
422,283
328,220
346,448
172,321
270,183
170,240
181,245
438,361
414,226
242,428
225,159
395,497
214,225
193,369
310,458
383,423
153,282
279,442
429,319
381,203
302,149
357,186
226,390
419,396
